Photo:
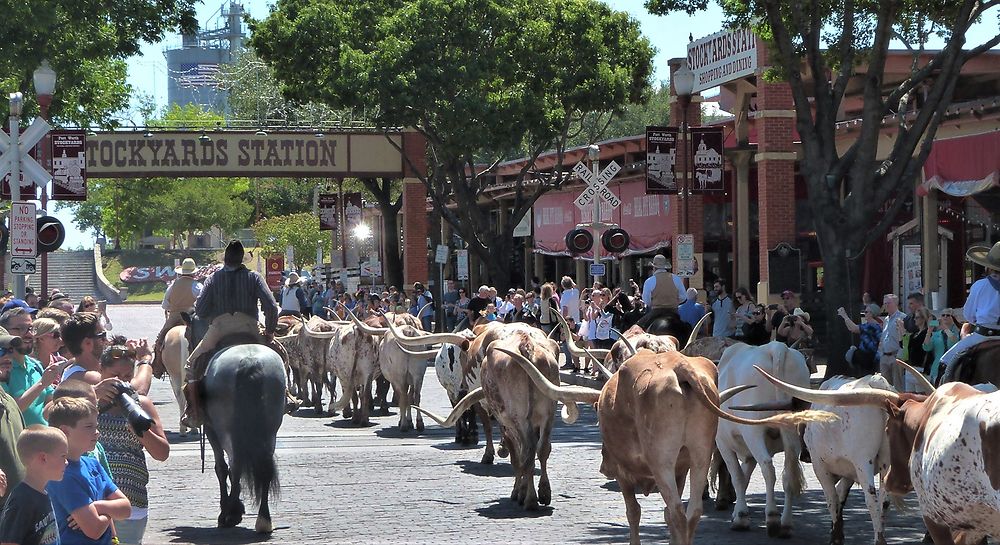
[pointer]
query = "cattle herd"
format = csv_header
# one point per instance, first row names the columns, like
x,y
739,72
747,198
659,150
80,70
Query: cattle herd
x,y
669,416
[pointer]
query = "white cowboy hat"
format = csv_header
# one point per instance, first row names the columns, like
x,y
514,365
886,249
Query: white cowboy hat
x,y
987,257
799,312
293,278
660,262
187,268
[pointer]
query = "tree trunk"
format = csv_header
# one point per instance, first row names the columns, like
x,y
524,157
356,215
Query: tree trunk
x,y
841,288
392,269
499,261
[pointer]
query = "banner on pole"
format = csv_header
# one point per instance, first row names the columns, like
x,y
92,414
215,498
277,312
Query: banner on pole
x,y
69,165
661,160
328,212
707,155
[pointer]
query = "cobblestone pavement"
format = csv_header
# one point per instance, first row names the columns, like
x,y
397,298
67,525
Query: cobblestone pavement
x,y
341,484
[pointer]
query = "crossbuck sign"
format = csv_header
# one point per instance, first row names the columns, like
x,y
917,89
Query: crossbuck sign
x,y
31,169
597,185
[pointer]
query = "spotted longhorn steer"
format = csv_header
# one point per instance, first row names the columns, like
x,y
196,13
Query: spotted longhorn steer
x,y
525,416
945,447
458,377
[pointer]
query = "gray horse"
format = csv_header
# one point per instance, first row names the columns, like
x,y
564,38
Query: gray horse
x,y
244,393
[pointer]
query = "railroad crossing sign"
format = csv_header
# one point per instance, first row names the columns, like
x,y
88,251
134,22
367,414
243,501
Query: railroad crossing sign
x,y
26,142
597,186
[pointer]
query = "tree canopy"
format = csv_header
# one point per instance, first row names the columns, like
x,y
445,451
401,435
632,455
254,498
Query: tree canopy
x,y
826,48
300,231
86,42
482,80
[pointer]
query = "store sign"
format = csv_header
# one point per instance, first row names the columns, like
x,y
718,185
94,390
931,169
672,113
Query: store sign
x,y
462,264
136,154
661,160
707,158
722,57
275,264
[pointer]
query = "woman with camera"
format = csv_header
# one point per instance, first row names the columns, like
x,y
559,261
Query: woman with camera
x,y
129,425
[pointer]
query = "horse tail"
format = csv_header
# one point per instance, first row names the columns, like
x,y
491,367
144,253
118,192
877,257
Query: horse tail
x,y
253,442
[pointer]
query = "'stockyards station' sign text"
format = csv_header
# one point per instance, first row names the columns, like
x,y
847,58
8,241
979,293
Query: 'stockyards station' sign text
x,y
228,153
722,57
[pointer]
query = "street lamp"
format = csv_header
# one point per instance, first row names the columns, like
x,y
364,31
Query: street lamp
x,y
362,233
683,80
45,86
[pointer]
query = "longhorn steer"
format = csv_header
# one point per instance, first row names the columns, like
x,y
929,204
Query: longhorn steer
x,y
852,450
526,417
457,377
945,447
743,447
658,415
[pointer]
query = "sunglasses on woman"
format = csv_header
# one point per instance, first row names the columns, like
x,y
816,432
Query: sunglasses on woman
x,y
55,334
118,352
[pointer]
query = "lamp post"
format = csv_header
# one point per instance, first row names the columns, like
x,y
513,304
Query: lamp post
x,y
683,80
362,233
45,86
16,107
594,154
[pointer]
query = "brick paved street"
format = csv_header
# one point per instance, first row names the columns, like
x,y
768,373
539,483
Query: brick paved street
x,y
372,485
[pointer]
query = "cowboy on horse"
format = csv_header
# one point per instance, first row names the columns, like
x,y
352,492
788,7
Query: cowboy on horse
x,y
228,301
982,310
662,292
179,298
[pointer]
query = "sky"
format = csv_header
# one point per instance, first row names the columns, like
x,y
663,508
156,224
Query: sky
x,y
668,34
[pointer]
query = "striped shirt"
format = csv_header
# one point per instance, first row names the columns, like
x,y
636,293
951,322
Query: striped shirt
x,y
237,290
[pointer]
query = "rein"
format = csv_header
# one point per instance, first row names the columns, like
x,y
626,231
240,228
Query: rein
x,y
202,441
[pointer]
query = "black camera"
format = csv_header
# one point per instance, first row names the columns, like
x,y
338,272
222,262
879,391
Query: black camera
x,y
137,417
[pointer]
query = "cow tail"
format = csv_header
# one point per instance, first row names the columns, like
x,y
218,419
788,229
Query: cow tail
x,y
796,480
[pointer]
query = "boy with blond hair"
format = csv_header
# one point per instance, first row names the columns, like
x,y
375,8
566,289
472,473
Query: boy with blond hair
x,y
86,501
27,518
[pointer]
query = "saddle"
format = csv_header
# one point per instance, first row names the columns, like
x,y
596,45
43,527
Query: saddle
x,y
965,365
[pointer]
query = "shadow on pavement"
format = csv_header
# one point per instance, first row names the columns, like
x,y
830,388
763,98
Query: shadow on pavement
x,y
392,432
310,412
346,424
610,532
509,509
452,445
221,536
175,438
499,468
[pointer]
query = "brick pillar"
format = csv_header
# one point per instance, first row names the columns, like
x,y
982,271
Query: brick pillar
x,y
775,170
414,209
694,203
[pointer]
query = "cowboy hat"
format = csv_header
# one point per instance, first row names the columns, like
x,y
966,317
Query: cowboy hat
x,y
799,312
187,267
660,262
293,278
987,257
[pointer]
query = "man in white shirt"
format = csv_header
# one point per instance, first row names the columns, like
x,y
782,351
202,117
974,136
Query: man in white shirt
x,y
889,341
982,308
569,300
662,292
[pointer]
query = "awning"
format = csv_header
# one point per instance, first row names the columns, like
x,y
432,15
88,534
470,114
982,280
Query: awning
x,y
963,166
643,216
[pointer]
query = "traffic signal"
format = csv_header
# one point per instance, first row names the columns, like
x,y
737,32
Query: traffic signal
x,y
579,241
615,240
51,234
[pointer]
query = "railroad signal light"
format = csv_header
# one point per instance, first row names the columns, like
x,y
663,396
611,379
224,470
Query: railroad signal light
x,y
579,241
51,233
615,241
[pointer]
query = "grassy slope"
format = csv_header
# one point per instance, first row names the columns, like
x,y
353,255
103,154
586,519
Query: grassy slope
x,y
116,261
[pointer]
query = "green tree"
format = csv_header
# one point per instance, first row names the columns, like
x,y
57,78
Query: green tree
x,y
480,79
86,42
848,42
300,231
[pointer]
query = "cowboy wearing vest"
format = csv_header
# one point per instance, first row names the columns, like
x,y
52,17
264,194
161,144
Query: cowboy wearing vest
x,y
229,302
982,308
662,292
180,297
293,297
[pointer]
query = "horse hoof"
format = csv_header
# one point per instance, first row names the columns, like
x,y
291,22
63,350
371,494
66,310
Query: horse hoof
x,y
263,526
487,459
531,504
544,493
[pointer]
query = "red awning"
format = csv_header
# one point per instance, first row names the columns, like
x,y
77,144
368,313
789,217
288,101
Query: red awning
x,y
963,166
643,216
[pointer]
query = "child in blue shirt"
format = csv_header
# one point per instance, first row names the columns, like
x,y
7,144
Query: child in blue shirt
x,y
86,500
27,517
